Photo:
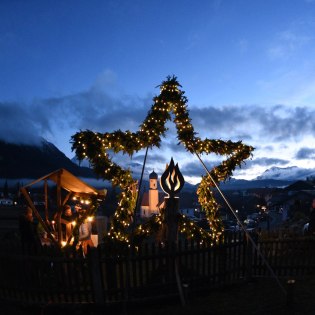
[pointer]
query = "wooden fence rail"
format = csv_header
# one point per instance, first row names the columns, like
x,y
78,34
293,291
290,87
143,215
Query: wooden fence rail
x,y
151,272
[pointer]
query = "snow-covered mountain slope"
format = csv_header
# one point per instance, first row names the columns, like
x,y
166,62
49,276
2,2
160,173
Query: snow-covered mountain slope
x,y
287,173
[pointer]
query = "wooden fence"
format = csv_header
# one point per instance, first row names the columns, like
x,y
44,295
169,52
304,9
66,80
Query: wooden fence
x,y
153,271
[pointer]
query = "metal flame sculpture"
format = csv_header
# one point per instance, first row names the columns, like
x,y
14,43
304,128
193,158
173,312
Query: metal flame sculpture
x,y
172,180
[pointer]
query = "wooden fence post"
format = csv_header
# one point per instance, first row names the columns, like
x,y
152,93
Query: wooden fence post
x,y
94,267
222,261
249,259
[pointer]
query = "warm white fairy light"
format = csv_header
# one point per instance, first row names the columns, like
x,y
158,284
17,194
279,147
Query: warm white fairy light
x,y
171,98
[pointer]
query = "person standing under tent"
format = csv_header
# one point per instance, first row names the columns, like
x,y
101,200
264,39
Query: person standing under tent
x,y
66,222
85,233
28,230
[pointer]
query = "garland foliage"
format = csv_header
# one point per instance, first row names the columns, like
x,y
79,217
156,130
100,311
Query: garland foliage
x,y
95,146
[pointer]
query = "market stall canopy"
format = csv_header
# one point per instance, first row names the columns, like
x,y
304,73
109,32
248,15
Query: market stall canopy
x,y
69,182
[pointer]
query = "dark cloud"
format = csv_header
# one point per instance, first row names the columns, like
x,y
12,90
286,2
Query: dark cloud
x,y
269,148
88,110
264,162
174,146
305,153
212,118
99,110
283,123
157,158
139,158
19,125
155,161
278,123
195,169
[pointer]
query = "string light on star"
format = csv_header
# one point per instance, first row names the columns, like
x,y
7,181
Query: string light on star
x,y
170,102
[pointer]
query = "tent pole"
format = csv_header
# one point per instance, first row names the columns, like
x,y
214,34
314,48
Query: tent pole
x,y
46,200
42,222
59,209
67,198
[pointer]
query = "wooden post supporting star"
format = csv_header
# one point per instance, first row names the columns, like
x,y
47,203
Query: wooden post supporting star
x,y
94,146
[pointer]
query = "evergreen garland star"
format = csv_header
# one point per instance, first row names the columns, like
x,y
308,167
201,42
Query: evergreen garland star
x,y
94,147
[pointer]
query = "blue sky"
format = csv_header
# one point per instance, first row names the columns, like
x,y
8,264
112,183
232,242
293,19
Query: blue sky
x,y
247,67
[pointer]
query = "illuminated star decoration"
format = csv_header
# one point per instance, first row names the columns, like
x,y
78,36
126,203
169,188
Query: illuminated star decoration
x,y
94,147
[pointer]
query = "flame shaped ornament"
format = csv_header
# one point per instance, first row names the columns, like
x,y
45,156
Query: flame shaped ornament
x,y
172,180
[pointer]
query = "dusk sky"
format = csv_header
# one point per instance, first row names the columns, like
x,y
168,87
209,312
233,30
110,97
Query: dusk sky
x,y
247,68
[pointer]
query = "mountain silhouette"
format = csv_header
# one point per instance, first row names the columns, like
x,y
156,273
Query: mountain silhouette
x,y
34,161
18,161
